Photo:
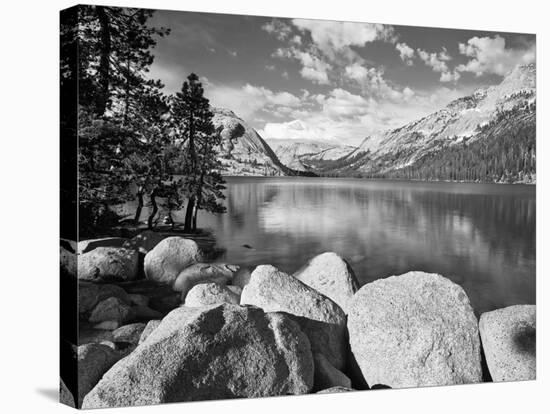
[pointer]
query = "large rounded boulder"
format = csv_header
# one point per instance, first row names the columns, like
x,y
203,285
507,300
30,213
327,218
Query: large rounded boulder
x,y
198,273
322,320
112,309
169,257
106,264
414,330
508,336
208,353
331,275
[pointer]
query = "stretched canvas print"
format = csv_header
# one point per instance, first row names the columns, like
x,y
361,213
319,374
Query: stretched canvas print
x,y
257,206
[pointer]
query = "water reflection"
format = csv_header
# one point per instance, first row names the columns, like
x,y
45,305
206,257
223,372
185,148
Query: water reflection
x,y
481,236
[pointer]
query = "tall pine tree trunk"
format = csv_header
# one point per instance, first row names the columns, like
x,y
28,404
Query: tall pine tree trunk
x,y
198,201
104,55
188,225
155,209
195,216
139,207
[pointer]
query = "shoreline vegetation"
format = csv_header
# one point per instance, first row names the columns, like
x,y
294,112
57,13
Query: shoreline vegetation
x,y
162,303
533,182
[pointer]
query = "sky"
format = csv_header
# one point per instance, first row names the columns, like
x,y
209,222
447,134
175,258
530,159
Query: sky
x,y
329,80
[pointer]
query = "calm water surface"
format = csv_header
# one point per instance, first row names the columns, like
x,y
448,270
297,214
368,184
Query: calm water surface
x,y
482,236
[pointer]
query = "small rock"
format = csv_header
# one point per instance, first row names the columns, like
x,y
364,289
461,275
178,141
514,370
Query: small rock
x,y
326,376
93,361
203,273
105,264
210,353
331,275
108,326
322,320
168,258
508,336
90,294
111,309
85,246
414,330
129,333
150,327
210,294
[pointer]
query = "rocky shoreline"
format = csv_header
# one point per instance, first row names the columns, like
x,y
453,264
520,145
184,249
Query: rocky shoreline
x,y
159,324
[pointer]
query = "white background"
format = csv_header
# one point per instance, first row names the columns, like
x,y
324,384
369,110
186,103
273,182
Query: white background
x,y
29,204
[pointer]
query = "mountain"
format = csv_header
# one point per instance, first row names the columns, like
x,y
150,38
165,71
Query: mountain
x,y
494,127
306,155
243,151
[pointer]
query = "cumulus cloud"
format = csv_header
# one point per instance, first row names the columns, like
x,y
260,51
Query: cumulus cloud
x,y
356,72
314,68
327,49
270,97
449,76
372,82
438,63
331,37
341,104
249,99
278,28
406,53
490,56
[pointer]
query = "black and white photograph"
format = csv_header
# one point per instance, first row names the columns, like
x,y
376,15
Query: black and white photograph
x,y
257,206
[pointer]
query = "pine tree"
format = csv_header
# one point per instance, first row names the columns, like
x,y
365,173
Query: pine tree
x,y
121,125
202,183
114,56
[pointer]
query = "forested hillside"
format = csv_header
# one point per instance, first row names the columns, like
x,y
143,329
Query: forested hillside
x,y
489,136
503,151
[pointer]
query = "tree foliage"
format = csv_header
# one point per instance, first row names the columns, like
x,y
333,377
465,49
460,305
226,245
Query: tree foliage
x,y
132,137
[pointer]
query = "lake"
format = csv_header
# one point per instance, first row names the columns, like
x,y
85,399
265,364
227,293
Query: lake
x,y
481,236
